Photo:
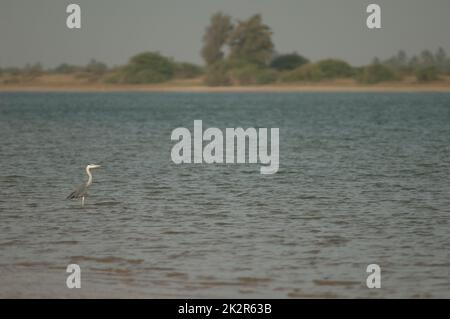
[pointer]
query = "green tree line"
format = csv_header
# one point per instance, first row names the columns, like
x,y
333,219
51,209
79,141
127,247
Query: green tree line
x,y
242,53
252,59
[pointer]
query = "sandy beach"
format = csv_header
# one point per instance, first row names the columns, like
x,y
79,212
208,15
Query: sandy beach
x,y
225,89
69,83
63,83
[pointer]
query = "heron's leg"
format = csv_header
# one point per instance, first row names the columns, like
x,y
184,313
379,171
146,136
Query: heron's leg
x,y
82,201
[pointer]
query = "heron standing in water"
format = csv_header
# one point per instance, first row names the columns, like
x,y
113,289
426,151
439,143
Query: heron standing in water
x,y
81,191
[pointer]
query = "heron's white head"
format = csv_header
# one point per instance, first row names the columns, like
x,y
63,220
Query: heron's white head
x,y
90,166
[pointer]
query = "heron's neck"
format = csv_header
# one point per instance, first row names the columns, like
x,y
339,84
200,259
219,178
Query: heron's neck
x,y
88,172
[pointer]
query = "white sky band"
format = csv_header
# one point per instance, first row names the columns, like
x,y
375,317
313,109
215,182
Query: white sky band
x,y
240,145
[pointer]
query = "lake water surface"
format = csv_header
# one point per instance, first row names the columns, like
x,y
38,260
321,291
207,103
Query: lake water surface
x,y
364,178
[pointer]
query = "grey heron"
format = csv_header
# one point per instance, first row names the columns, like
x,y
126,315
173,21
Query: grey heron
x,y
81,191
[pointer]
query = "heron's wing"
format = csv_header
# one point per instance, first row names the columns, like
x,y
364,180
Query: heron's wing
x,y
81,191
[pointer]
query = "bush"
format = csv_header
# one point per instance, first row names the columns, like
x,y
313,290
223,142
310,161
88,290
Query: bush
x,y
307,72
331,69
243,76
113,78
252,74
289,61
187,70
217,75
114,75
322,70
148,67
65,68
266,76
238,72
427,74
145,76
376,73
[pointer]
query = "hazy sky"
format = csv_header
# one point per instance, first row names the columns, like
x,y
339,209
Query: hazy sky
x,y
114,30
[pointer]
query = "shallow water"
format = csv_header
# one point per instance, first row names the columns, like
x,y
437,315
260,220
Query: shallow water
x,y
364,178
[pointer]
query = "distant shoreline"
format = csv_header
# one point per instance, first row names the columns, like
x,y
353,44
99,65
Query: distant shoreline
x,y
398,87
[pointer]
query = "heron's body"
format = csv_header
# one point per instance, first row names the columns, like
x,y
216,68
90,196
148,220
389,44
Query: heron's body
x,y
81,191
